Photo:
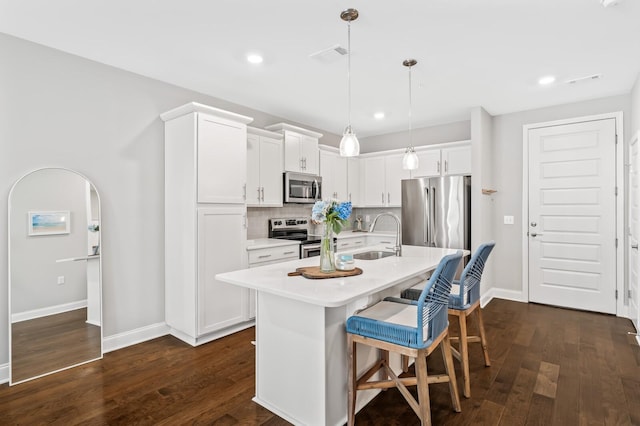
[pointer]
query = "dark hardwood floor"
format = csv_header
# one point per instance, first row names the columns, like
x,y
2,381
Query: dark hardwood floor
x,y
550,366
51,343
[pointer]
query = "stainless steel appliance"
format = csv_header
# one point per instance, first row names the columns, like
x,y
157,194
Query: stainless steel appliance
x,y
297,229
436,212
302,188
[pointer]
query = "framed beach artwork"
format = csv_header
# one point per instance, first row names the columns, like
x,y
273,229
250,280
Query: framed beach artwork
x,y
49,223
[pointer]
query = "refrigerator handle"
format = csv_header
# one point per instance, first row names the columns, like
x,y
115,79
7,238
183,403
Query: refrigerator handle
x,y
426,215
432,215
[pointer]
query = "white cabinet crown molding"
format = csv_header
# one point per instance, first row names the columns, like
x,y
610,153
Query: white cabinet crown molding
x,y
281,127
197,107
419,148
329,148
262,132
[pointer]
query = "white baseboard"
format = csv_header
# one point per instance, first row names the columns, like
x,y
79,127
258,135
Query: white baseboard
x,y
49,310
197,341
4,373
501,293
132,337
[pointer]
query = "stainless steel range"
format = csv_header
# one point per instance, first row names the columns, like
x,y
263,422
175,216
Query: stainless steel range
x,y
297,229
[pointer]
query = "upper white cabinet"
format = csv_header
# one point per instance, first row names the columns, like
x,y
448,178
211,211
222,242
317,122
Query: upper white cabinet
x,y
217,141
333,169
453,160
264,168
354,179
300,148
205,221
382,179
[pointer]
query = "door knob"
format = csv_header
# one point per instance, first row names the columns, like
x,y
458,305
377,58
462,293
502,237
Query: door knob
x,y
534,234
534,224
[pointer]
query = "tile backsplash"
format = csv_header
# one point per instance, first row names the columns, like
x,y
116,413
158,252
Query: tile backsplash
x,y
258,218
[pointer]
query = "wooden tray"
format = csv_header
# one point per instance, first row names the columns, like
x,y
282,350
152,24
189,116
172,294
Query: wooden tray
x,y
313,272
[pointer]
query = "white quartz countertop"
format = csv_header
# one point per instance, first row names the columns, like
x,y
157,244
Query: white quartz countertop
x,y
261,243
332,292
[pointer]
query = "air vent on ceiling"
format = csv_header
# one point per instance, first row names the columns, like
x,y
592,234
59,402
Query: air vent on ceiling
x,y
330,54
584,79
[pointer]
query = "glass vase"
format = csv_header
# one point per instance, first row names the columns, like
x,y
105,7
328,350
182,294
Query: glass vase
x,y
327,255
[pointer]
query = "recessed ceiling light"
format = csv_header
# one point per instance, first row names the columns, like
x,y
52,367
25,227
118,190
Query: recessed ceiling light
x,y
378,115
546,80
254,58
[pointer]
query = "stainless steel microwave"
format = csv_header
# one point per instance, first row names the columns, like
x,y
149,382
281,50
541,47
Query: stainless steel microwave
x,y
302,188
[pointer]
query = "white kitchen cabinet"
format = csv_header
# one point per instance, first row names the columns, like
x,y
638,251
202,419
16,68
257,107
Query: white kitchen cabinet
x,y
347,244
264,168
301,153
333,169
221,248
269,256
445,161
382,180
205,221
354,187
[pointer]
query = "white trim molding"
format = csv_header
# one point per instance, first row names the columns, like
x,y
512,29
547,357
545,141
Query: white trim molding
x,y
4,373
133,337
49,310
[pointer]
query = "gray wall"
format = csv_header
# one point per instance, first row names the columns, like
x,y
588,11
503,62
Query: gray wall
x,y
635,108
507,168
34,270
61,110
451,132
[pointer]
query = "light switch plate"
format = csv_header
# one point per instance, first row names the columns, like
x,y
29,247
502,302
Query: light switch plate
x,y
508,220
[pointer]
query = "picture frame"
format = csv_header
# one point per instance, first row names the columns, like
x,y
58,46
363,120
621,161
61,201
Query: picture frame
x,y
49,222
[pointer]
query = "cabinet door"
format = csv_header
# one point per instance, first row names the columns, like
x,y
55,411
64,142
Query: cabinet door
x,y
253,170
374,182
292,159
309,152
271,172
394,173
222,239
353,181
340,178
428,164
327,166
457,161
222,160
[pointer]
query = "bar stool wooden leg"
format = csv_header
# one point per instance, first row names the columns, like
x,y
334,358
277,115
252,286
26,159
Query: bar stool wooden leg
x,y
483,338
351,381
464,354
423,388
405,363
451,372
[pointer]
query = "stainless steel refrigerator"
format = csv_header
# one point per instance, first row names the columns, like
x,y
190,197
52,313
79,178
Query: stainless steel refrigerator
x,y
436,212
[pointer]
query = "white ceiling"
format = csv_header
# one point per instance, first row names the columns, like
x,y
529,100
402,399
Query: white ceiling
x,y
470,53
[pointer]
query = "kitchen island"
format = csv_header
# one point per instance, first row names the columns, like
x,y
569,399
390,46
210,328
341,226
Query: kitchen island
x,y
301,351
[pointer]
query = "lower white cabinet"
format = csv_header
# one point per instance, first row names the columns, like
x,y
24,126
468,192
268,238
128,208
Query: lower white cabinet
x,y
351,243
221,242
269,256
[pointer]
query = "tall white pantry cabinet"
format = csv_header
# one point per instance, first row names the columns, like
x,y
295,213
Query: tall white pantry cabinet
x,y
205,221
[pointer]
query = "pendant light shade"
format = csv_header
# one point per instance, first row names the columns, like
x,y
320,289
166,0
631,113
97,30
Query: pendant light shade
x,y
410,160
349,145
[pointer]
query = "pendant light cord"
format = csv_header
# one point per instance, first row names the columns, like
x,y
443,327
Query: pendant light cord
x,y
410,115
349,70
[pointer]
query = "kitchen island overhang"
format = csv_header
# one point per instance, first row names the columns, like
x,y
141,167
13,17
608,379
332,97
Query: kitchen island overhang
x,y
301,353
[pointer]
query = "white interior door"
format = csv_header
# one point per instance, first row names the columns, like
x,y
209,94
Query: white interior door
x,y
572,215
634,230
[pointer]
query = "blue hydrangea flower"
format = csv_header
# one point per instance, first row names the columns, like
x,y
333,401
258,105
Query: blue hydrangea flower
x,y
344,210
332,213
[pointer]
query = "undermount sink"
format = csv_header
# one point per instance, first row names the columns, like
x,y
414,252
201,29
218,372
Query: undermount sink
x,y
373,255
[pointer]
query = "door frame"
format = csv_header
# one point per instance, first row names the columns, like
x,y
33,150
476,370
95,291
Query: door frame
x,y
620,204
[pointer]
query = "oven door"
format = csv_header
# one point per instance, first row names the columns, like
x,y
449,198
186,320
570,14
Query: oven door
x,y
301,188
309,250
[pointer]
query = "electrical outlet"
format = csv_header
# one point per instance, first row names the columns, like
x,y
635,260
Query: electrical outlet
x,y
61,280
367,218
508,220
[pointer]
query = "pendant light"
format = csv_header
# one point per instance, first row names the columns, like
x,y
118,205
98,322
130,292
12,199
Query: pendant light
x,y
349,145
410,159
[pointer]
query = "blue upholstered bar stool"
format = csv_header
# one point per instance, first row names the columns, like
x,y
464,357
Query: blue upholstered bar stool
x,y
410,328
463,301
